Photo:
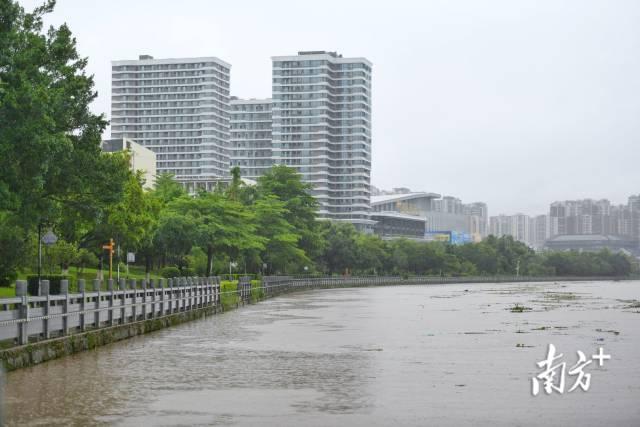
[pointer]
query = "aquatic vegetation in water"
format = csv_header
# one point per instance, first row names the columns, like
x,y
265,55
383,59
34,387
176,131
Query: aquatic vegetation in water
x,y
561,296
610,330
631,303
519,308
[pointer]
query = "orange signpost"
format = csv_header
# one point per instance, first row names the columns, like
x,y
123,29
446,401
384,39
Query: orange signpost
x,y
110,248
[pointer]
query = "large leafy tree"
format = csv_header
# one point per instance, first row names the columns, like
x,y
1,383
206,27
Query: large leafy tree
x,y
167,189
175,236
301,207
51,165
221,226
339,254
281,252
371,255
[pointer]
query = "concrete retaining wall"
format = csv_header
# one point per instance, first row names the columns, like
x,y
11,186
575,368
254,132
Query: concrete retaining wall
x,y
33,354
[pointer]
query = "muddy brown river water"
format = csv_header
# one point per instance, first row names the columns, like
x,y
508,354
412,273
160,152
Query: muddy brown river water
x,y
412,355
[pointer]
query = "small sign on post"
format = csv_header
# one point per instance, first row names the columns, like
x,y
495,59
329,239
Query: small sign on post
x,y
49,238
131,257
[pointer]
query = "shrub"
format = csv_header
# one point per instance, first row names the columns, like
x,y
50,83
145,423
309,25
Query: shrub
x,y
187,272
197,260
54,283
229,294
257,293
170,272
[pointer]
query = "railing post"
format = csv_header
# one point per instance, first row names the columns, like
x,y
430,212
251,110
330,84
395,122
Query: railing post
x,y
134,308
170,300
143,285
178,286
81,290
122,286
163,307
184,293
64,290
152,286
111,296
189,290
21,291
44,291
217,290
96,315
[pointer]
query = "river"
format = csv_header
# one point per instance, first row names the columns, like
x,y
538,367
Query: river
x,y
403,355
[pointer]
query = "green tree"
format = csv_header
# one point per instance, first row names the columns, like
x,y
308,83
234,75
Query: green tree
x,y
221,226
63,254
197,261
371,254
167,189
175,236
281,251
85,258
233,192
339,255
51,165
301,207
131,222
13,249
50,158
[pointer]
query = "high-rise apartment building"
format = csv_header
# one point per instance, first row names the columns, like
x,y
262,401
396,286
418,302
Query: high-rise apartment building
x,y
541,229
177,108
250,144
322,127
582,216
478,214
517,226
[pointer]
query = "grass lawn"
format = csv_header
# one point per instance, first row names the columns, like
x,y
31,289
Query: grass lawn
x,y
7,291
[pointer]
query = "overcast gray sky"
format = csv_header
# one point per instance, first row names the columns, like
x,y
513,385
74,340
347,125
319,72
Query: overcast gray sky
x,y
515,103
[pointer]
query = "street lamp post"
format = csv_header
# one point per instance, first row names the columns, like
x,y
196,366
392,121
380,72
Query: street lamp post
x,y
39,251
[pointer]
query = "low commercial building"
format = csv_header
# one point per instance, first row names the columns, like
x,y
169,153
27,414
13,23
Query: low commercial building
x,y
142,159
592,243
409,203
394,224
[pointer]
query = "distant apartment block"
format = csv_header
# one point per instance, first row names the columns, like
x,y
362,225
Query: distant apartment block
x,y
177,108
582,216
516,226
322,127
250,145
596,217
478,214
141,159
541,229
